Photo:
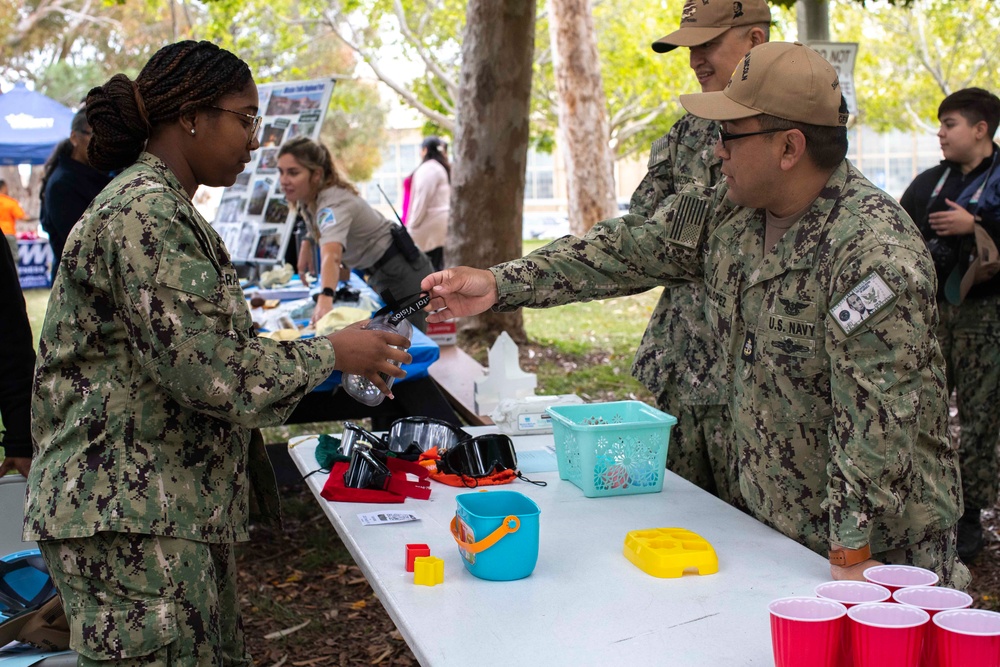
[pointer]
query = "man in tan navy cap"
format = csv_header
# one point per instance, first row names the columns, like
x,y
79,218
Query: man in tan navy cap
x,y
677,358
821,295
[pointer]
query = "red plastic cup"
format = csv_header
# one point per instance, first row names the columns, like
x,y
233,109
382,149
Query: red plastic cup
x,y
806,632
887,635
850,593
967,638
895,577
932,599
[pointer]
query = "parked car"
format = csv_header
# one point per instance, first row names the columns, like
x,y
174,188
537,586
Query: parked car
x,y
543,225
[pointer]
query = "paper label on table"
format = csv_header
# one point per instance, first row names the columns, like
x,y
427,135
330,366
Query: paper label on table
x,y
537,460
378,518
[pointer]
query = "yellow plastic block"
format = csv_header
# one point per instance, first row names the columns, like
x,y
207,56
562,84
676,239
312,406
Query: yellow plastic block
x,y
668,552
428,570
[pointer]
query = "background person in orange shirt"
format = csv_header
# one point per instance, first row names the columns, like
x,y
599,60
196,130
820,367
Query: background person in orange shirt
x,y
10,213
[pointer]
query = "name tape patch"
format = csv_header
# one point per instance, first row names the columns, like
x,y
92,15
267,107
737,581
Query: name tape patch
x,y
864,300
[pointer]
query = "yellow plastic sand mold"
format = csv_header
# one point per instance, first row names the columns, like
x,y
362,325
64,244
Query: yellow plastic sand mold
x,y
669,552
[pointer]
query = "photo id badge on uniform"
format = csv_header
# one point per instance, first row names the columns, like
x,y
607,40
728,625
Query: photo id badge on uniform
x,y
864,300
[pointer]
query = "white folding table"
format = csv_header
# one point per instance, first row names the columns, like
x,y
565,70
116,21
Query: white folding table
x,y
585,603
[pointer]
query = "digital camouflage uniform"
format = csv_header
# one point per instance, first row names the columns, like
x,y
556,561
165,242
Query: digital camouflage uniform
x,y
840,415
677,358
149,387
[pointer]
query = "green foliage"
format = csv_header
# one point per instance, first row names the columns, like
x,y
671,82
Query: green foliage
x,y
910,59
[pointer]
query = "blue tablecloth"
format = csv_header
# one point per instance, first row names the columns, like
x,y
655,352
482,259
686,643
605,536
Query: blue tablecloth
x,y
423,350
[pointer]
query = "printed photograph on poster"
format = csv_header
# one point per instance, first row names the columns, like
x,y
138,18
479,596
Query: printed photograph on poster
x,y
259,195
268,244
276,211
242,181
285,103
301,130
230,233
311,116
231,209
245,241
268,161
273,135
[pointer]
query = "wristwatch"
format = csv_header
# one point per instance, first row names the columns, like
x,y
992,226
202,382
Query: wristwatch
x,y
847,557
328,291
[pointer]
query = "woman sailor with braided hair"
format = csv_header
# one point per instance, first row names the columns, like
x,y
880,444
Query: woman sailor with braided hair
x,y
150,385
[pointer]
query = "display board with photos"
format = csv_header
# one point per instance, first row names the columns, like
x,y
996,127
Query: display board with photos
x,y
254,219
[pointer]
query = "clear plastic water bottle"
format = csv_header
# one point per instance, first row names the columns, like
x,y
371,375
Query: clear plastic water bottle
x,y
360,387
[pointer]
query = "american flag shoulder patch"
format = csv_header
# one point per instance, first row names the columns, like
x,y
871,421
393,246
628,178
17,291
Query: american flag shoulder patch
x,y
658,153
689,214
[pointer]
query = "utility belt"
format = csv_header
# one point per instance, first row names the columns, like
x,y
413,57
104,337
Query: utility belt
x,y
402,244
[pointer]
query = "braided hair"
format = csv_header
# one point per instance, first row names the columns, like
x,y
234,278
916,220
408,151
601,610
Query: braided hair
x,y
315,157
179,77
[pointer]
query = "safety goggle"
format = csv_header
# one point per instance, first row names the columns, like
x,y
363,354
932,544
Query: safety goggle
x,y
413,435
366,469
480,456
354,435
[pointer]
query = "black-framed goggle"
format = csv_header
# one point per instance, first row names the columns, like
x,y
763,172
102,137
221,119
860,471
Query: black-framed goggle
x,y
354,435
414,435
367,470
480,456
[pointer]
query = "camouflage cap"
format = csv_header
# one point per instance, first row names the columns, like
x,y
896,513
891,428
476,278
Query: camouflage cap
x,y
704,20
782,79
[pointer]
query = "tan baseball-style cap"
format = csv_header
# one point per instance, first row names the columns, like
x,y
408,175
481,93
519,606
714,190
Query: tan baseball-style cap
x,y
782,79
704,20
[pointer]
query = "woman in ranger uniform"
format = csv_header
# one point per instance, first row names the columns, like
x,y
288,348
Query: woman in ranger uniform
x,y
348,231
150,383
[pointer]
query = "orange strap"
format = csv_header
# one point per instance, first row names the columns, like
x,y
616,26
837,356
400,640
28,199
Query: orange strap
x,y
491,539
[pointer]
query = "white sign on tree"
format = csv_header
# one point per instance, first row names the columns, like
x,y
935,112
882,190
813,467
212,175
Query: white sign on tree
x,y
842,55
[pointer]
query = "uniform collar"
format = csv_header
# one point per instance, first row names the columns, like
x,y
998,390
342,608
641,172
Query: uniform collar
x,y
798,247
160,167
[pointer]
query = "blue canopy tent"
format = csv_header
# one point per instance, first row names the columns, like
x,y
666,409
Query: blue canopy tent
x,y
31,125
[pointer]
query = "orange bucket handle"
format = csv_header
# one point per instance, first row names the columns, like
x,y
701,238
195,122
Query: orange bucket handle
x,y
510,525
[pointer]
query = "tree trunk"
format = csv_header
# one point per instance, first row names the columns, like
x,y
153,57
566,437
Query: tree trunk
x,y
812,18
583,117
491,146
27,197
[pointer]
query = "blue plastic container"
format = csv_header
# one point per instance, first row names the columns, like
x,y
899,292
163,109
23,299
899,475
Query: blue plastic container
x,y
612,449
497,534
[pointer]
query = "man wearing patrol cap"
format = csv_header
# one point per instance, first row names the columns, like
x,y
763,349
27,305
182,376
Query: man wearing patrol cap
x,y
839,414
677,358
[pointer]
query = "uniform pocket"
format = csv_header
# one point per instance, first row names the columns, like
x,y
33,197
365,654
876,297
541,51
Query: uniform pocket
x,y
123,631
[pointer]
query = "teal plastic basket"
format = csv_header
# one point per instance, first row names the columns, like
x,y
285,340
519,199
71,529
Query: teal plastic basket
x,y
612,449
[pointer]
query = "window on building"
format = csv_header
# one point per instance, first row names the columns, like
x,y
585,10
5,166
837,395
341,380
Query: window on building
x,y
539,182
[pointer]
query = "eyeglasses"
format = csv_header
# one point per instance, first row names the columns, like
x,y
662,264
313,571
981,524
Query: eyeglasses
x,y
480,456
255,121
726,136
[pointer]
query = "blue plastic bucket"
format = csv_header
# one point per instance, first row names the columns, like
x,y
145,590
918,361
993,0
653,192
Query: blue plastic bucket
x,y
497,534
